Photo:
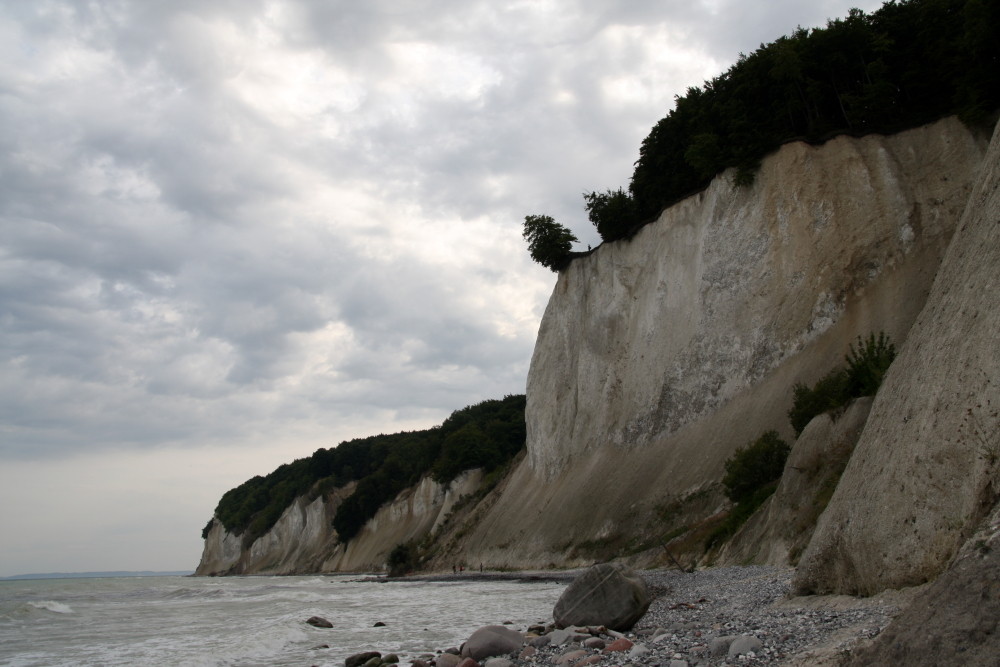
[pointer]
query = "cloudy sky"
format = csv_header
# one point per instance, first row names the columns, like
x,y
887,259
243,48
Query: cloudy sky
x,y
234,231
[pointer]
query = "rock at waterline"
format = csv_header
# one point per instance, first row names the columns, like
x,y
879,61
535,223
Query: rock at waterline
x,y
359,659
319,622
492,640
447,660
609,594
379,624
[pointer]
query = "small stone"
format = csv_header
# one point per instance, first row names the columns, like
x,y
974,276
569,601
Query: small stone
x,y
319,622
569,657
720,646
638,651
468,662
499,662
540,642
419,663
316,648
678,663
594,643
359,659
379,624
618,645
374,662
744,645
390,659
592,660
527,652
447,660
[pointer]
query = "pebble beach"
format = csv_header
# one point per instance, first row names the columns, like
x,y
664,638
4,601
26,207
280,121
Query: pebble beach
x,y
719,616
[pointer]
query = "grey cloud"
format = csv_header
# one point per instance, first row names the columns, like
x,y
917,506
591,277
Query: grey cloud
x,y
164,275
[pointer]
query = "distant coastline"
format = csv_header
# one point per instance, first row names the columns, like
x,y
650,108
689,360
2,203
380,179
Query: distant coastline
x,y
97,575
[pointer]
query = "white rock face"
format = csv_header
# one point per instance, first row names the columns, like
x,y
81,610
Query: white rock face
x,y
927,466
658,357
303,539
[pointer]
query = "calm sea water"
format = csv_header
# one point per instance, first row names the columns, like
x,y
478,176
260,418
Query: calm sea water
x,y
249,621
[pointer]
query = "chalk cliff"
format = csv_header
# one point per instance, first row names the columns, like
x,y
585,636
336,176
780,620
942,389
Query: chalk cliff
x,y
304,541
927,466
658,356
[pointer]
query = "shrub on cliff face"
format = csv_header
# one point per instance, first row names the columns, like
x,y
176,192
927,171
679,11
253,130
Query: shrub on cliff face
x,y
755,466
866,366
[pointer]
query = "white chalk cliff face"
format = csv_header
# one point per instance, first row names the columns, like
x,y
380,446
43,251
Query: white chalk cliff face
x,y
659,356
927,466
303,539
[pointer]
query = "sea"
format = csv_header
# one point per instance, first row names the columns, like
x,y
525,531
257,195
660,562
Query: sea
x,y
250,621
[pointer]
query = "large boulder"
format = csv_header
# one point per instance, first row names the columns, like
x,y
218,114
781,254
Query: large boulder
x,y
608,594
492,640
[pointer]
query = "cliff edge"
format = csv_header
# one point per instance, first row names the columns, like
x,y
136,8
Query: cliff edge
x,y
658,356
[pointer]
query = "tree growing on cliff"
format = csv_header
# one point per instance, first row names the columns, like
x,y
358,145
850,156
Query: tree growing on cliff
x,y
612,212
549,243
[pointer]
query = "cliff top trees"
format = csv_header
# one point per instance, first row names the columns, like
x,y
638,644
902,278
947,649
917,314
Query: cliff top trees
x,y
549,243
908,63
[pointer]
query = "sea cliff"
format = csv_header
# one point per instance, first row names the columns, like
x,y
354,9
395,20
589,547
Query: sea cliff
x,y
660,355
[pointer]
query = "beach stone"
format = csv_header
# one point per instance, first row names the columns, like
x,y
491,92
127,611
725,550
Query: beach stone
x,y
492,640
566,635
678,663
527,652
571,656
498,662
468,662
638,651
319,622
594,643
592,660
608,594
618,645
743,645
419,663
379,624
373,662
719,646
540,642
447,660
359,659
390,659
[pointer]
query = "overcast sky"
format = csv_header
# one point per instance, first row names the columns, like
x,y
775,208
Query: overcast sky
x,y
235,231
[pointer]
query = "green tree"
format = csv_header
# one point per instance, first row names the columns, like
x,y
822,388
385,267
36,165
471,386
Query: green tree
x,y
549,243
613,213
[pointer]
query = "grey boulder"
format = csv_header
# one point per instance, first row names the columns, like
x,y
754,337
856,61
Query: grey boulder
x,y
492,640
609,594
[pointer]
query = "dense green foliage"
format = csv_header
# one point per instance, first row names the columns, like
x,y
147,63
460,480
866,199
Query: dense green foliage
x,y
549,243
755,466
909,63
866,365
402,559
484,435
752,475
